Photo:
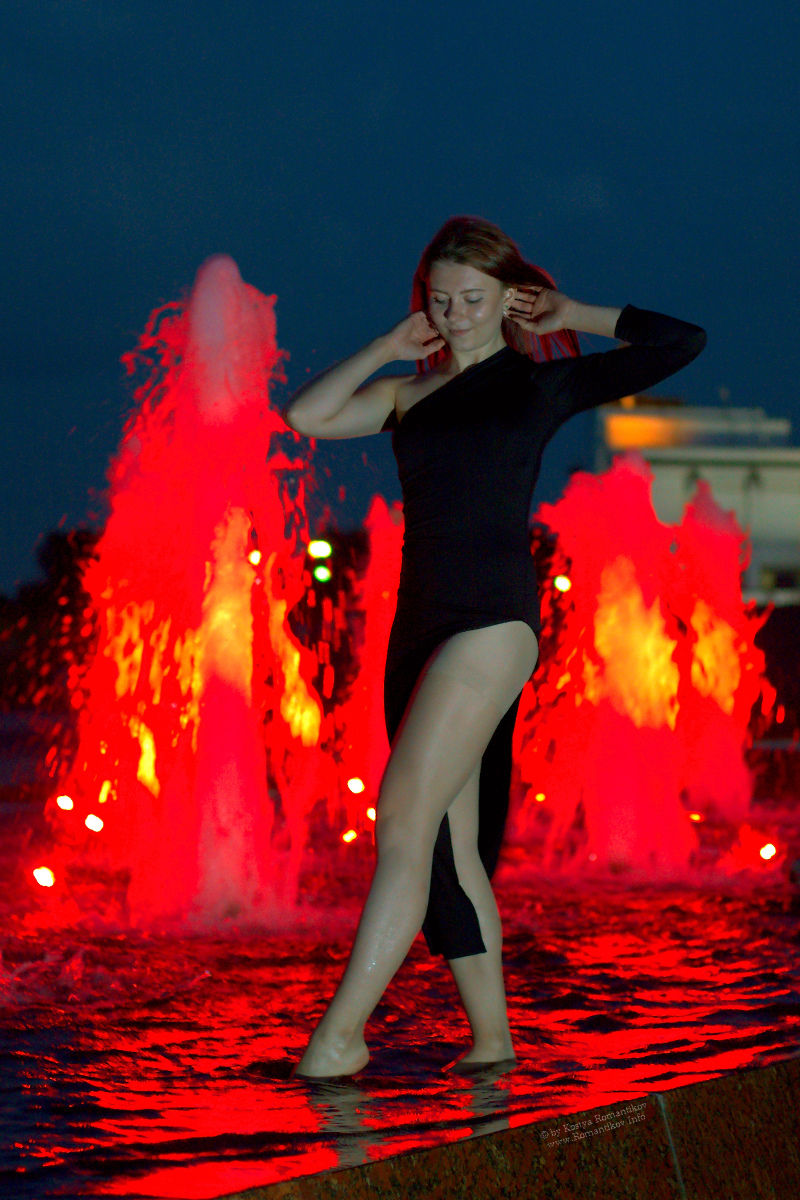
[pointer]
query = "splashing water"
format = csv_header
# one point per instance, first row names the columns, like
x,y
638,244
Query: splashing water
x,y
636,728
366,746
218,724
208,755
170,784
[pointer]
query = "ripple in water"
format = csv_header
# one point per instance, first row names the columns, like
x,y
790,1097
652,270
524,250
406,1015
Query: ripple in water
x,y
158,1066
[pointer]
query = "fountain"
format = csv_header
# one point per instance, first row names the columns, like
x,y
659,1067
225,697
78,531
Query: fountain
x,y
209,760
635,730
194,906
169,788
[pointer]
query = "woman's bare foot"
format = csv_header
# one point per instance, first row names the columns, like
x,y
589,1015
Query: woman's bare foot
x,y
484,1054
331,1057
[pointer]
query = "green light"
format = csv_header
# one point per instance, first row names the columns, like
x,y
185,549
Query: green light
x,y
319,549
562,583
321,573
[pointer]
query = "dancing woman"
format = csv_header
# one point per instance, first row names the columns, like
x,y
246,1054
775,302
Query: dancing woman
x,y
499,370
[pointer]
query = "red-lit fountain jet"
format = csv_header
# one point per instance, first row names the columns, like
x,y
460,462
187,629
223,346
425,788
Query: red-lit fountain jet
x,y
170,783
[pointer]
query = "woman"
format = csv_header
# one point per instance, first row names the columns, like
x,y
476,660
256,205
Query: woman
x,y
468,433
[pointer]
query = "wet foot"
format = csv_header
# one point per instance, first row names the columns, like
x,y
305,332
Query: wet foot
x,y
473,1067
331,1058
484,1054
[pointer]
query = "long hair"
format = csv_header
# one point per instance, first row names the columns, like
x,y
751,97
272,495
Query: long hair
x,y
479,244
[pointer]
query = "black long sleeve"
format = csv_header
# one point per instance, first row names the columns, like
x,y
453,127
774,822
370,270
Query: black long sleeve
x,y
660,346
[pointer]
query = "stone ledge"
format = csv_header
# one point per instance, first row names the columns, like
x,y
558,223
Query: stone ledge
x,y
735,1138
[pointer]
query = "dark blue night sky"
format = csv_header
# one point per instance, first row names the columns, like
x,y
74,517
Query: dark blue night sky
x,y
642,153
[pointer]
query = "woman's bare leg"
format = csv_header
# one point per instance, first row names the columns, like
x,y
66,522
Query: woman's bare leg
x,y
468,685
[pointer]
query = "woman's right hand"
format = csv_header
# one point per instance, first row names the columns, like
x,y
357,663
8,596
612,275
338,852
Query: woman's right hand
x,y
414,337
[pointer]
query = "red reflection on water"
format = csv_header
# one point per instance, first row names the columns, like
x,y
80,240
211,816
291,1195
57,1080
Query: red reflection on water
x,y
174,1051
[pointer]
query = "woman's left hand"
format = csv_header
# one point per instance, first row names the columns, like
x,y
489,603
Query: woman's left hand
x,y
539,309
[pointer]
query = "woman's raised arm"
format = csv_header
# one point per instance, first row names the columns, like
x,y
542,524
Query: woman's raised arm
x,y
339,404
658,346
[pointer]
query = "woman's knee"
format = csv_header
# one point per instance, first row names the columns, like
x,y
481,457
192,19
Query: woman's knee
x,y
406,834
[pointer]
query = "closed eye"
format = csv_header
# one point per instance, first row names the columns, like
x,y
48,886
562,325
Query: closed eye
x,y
436,300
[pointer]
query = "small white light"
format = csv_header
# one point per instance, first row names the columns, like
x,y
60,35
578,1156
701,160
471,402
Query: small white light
x,y
349,836
94,823
319,549
562,582
44,876
323,574
355,784
768,851
254,557
64,802
371,814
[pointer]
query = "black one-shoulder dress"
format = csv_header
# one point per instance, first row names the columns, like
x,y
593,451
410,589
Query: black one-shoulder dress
x,y
468,457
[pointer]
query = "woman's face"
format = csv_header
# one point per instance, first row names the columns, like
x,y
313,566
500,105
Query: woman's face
x,y
465,305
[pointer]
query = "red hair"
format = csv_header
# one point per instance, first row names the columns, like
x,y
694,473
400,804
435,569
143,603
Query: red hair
x,y
480,244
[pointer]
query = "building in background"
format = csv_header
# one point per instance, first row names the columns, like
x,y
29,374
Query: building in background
x,y
745,457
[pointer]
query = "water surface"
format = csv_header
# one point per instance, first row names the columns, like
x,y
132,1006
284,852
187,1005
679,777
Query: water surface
x,y
157,1066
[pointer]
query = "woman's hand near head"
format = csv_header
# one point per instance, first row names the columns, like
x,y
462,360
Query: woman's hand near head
x,y
414,337
544,310
540,309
